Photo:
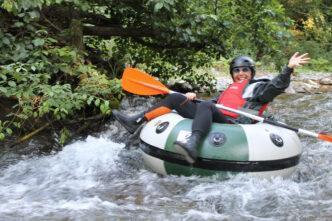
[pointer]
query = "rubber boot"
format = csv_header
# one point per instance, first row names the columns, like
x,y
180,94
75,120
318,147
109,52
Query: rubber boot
x,y
131,123
188,148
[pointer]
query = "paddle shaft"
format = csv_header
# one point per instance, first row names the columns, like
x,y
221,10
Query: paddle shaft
x,y
262,119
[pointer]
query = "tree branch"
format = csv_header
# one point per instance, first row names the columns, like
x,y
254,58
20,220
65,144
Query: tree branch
x,y
197,46
97,19
107,32
30,135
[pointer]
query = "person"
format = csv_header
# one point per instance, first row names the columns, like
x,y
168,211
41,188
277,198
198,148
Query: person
x,y
245,93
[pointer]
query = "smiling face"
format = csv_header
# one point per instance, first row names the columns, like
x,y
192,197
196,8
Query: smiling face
x,y
241,73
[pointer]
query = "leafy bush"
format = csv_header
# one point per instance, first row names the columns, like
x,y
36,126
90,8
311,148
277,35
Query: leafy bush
x,y
46,79
59,58
321,57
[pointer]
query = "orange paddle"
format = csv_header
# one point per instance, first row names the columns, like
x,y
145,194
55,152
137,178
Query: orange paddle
x,y
138,82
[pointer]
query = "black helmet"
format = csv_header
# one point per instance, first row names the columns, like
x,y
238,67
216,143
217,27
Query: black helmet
x,y
243,61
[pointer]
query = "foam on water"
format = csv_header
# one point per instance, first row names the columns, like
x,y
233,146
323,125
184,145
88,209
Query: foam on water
x,y
97,179
44,184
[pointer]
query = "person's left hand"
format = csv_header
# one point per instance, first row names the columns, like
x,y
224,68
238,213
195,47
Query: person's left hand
x,y
190,95
298,60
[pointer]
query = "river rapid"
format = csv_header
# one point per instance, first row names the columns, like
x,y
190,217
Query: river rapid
x,y
99,179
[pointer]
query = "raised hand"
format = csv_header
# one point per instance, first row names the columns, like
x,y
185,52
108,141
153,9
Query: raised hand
x,y
298,60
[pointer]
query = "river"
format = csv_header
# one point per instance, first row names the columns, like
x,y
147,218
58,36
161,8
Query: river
x,y
98,179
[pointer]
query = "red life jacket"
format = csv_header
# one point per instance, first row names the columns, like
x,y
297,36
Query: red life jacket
x,y
232,97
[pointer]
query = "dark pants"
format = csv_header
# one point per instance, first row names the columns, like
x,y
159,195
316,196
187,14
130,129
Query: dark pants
x,y
203,113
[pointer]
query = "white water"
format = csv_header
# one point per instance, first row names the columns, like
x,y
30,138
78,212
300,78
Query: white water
x,y
97,179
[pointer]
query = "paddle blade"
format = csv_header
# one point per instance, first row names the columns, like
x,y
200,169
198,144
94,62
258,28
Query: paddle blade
x,y
326,137
138,82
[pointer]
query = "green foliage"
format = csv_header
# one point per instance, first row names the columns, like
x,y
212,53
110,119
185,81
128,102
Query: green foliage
x,y
261,30
210,29
18,6
47,79
320,64
312,31
321,55
64,136
167,67
54,74
4,130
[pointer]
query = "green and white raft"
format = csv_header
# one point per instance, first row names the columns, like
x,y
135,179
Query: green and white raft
x,y
259,149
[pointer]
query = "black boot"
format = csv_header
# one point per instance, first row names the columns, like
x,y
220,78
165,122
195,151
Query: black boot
x,y
188,148
131,123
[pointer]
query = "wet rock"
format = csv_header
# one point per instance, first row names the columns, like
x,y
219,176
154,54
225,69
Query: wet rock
x,y
223,82
179,85
325,88
326,81
307,86
312,82
290,89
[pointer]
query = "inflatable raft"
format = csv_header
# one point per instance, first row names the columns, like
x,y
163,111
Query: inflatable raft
x,y
259,149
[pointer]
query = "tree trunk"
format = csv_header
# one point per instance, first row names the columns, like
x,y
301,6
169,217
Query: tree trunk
x,y
76,34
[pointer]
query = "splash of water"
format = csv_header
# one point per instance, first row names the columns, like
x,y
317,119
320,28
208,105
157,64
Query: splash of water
x,y
40,185
97,179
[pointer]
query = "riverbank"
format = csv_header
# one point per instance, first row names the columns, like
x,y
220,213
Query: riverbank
x,y
311,83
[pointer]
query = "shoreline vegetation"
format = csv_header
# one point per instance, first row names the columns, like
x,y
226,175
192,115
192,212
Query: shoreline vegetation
x,y
61,61
313,83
